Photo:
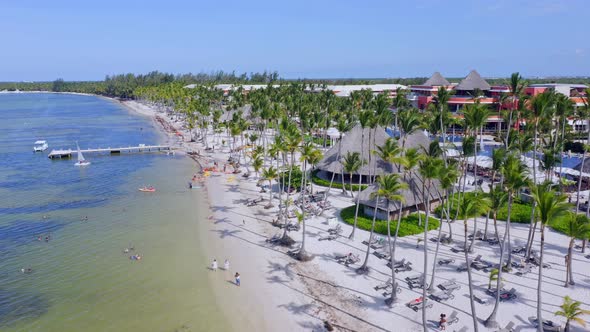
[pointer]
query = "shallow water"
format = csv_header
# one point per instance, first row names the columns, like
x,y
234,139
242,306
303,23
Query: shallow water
x,y
81,279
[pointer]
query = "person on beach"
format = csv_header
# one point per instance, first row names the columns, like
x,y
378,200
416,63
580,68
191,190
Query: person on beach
x,y
214,265
237,276
443,322
226,265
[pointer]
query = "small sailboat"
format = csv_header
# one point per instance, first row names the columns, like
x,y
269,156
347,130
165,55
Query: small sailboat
x,y
81,160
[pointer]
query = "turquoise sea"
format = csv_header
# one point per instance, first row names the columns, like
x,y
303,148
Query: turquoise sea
x,y
81,279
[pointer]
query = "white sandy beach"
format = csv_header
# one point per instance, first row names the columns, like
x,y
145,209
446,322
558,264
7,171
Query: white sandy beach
x,y
280,293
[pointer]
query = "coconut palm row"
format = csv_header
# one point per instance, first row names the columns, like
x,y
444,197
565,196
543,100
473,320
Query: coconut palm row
x,y
285,127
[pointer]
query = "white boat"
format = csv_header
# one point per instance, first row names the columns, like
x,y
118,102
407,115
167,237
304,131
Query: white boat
x,y
40,146
81,160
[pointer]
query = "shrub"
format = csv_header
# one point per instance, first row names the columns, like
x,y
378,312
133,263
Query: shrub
x,y
521,213
326,183
296,176
409,225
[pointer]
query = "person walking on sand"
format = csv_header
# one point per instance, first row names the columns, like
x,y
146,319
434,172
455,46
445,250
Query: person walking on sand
x,y
214,265
237,279
443,322
226,265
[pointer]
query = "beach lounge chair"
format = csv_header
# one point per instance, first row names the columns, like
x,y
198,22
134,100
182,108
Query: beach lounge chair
x,y
441,296
462,267
519,250
387,293
419,283
505,295
480,300
453,318
275,238
413,278
384,285
481,265
403,268
381,255
445,261
449,285
509,327
548,325
335,230
528,268
328,238
348,259
493,241
458,249
416,304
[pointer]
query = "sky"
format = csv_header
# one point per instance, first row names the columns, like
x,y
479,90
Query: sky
x,y
86,40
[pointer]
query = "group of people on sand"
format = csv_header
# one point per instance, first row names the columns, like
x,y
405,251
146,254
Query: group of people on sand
x,y
214,266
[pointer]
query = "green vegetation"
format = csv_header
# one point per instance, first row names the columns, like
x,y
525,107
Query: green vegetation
x,y
521,212
409,225
317,140
296,176
326,183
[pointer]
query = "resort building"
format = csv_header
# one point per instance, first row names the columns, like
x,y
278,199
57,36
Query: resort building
x,y
339,90
473,88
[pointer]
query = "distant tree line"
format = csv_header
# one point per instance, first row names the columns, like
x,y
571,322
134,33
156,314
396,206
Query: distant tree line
x,y
124,85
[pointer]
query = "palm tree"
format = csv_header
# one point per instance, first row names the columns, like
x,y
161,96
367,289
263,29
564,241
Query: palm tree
x,y
541,109
550,205
516,85
351,164
571,310
498,156
390,186
343,126
578,228
257,164
447,177
270,174
408,122
476,116
471,207
515,178
430,168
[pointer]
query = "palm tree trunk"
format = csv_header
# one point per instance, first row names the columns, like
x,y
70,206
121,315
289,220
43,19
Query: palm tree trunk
x,y
491,322
569,274
399,221
358,203
364,267
333,175
393,297
540,282
470,282
531,232
426,195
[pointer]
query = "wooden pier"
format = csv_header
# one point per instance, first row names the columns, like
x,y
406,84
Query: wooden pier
x,y
130,149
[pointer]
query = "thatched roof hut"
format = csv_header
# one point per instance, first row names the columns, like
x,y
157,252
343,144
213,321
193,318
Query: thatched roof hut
x,y
437,80
351,142
473,81
412,196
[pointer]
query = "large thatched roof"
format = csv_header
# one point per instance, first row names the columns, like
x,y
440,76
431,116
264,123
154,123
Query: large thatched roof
x,y
351,142
412,195
473,81
437,80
